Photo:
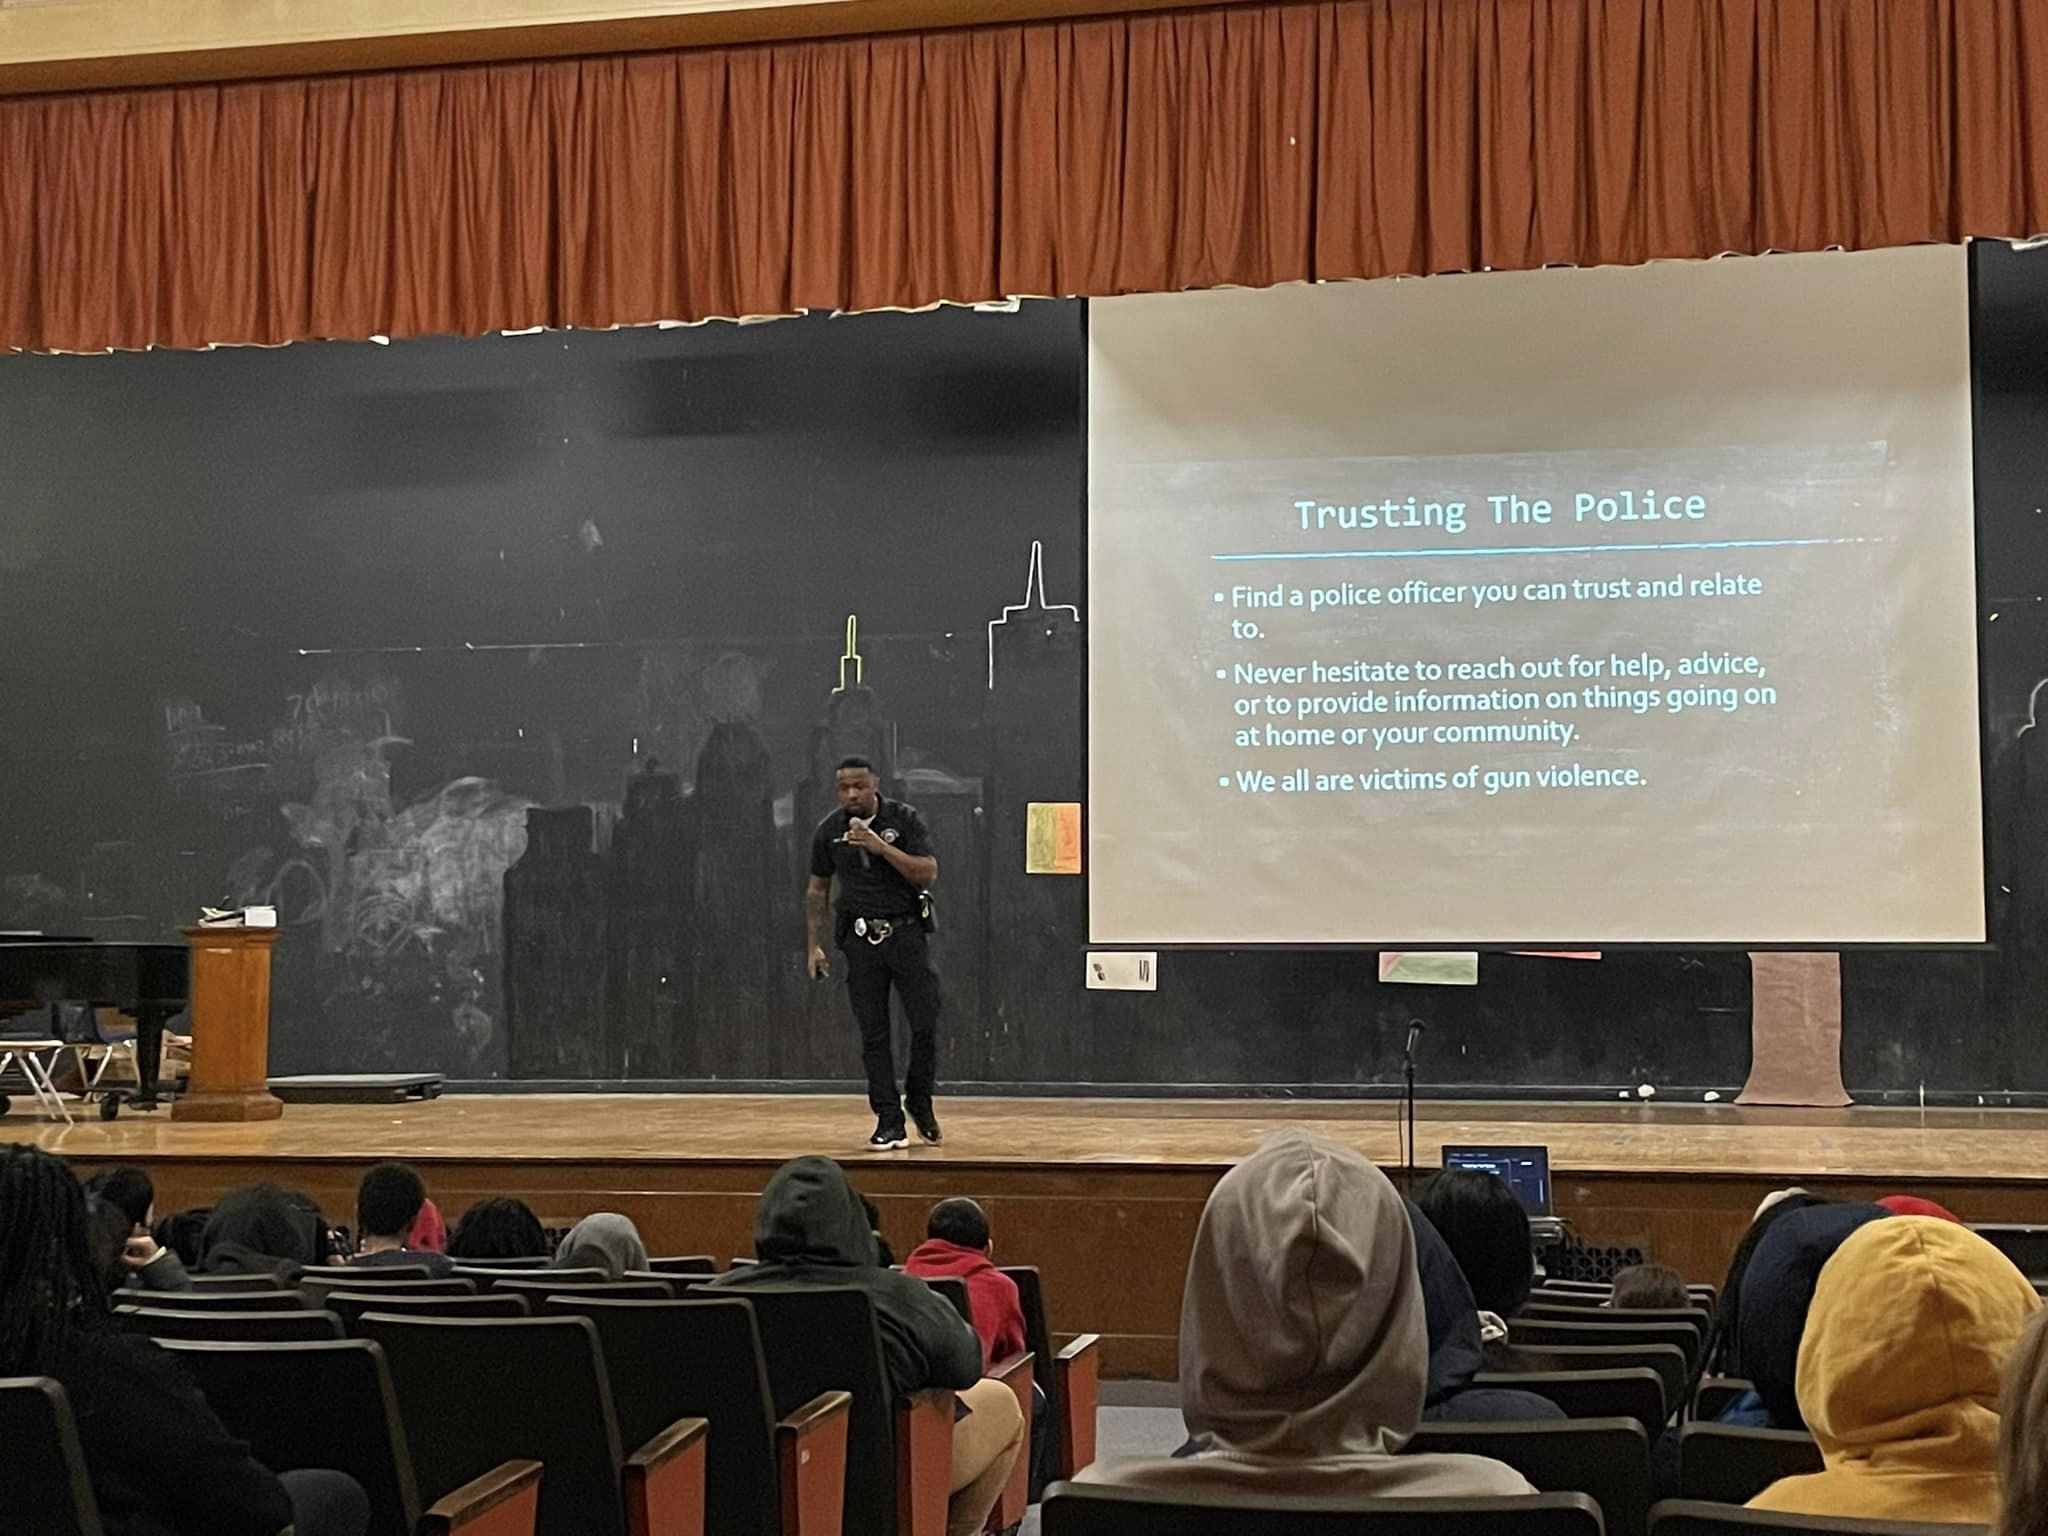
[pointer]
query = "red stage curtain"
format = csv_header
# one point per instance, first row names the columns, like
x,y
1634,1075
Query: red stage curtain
x,y
1248,145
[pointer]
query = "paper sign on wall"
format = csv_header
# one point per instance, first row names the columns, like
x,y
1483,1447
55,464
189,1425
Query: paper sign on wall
x,y
1434,968
1052,837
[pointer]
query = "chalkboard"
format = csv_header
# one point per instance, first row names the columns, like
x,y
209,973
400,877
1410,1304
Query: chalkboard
x,y
512,671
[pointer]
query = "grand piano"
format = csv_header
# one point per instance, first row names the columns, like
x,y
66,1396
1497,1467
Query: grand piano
x,y
149,981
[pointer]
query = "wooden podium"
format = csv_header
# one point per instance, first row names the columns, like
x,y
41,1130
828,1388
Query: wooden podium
x,y
230,1026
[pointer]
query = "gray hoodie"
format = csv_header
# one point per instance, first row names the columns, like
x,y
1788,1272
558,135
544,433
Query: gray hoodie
x,y
1304,1353
812,1230
606,1241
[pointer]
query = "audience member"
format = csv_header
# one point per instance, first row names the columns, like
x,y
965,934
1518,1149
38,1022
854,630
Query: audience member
x,y
129,1189
144,1262
1304,1348
606,1241
957,1246
884,1254
1455,1352
181,1232
388,1203
1779,1293
1914,1205
429,1232
1912,1323
258,1229
501,1228
1648,1285
1719,1356
161,1463
1487,1230
811,1231
2023,1436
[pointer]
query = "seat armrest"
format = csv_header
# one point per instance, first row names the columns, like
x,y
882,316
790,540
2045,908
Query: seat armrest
x,y
924,1463
665,1482
1016,1373
505,1501
1078,1371
810,1466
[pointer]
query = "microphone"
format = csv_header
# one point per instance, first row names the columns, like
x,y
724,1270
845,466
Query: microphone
x,y
1415,1029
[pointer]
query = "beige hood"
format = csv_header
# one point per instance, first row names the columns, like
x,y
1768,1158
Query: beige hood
x,y
1302,1330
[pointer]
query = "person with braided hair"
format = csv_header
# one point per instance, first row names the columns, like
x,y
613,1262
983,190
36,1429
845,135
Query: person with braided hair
x,y
160,1461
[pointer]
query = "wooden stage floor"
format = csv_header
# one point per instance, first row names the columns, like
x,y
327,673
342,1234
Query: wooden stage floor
x,y
1861,1143
1102,1194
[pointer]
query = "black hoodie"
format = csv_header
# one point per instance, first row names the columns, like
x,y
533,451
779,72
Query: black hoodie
x,y
812,1230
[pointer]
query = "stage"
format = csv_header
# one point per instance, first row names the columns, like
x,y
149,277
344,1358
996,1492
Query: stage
x,y
1102,1194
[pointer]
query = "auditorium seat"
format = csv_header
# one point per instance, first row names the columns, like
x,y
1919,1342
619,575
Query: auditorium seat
x,y
1732,1464
668,1360
214,1285
1634,1393
45,1488
1071,1386
1667,1360
485,1278
2026,1246
350,1305
1694,1318
1692,1517
687,1264
330,1404
317,1285
543,1381
272,1327
825,1339
658,1289
1084,1509
954,1289
269,1299
1542,1332
1713,1395
1607,1460
377,1272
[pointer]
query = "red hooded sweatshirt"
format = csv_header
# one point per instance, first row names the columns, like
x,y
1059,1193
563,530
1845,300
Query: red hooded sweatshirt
x,y
998,1314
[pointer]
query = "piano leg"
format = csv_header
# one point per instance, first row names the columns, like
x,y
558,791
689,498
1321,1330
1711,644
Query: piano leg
x,y
149,1053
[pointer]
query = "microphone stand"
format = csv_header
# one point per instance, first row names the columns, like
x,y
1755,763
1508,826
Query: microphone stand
x,y
1415,1029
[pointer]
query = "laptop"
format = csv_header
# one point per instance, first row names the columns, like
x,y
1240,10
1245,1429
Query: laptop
x,y
1525,1170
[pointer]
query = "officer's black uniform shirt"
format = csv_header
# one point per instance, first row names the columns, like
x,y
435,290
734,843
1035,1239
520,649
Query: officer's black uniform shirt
x,y
869,885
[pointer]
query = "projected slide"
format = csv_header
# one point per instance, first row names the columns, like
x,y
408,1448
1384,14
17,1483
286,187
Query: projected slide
x,y
1624,605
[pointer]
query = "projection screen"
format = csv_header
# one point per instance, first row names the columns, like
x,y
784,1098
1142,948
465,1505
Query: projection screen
x,y
1630,605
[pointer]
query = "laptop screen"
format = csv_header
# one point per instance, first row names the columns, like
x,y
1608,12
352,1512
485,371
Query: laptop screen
x,y
1525,1170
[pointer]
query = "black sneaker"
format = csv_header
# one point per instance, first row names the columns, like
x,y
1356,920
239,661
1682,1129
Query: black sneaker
x,y
927,1124
888,1136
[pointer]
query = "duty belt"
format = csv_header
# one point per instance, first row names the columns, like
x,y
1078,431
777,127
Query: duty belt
x,y
876,930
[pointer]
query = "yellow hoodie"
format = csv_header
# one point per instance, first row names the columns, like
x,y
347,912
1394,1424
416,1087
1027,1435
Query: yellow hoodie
x,y
1899,1368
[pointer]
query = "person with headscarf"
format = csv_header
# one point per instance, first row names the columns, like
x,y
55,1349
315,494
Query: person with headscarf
x,y
258,1229
1778,1293
812,1230
606,1241
1912,1323
1456,1354
1304,1341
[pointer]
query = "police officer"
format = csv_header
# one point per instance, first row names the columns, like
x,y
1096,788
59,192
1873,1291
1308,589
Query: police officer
x,y
882,855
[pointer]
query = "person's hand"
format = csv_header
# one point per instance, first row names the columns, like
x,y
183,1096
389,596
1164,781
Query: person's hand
x,y
139,1250
864,837
821,963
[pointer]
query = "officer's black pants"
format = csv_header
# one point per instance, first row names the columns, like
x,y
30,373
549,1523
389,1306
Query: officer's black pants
x,y
902,958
